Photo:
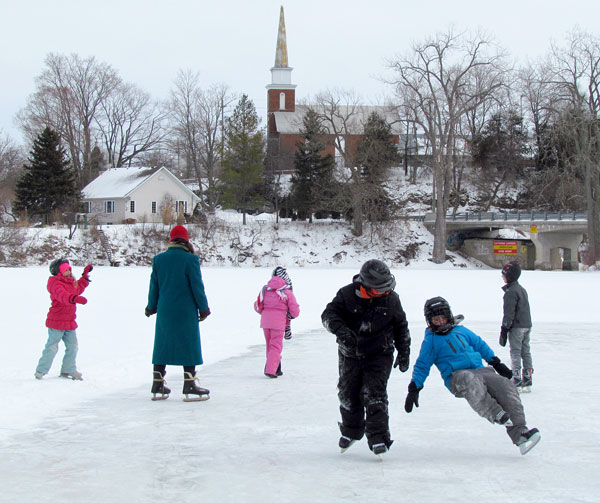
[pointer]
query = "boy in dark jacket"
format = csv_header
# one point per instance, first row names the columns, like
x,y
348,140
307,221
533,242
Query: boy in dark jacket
x,y
516,326
368,321
457,352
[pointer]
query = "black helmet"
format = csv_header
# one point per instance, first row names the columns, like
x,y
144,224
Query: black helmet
x,y
55,265
436,307
512,271
375,274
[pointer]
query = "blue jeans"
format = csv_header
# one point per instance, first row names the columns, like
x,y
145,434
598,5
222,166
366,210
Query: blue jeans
x,y
69,337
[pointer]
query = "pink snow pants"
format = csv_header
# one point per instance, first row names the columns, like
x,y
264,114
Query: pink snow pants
x,y
274,340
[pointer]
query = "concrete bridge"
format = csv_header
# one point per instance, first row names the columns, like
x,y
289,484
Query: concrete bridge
x,y
538,240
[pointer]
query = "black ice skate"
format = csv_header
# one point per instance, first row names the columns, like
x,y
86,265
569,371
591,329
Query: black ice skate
x,y
190,388
528,440
503,419
526,382
345,443
379,449
159,390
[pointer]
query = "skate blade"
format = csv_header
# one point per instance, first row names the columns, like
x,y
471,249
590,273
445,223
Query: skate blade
x,y
344,449
524,389
380,451
159,397
530,444
196,398
64,376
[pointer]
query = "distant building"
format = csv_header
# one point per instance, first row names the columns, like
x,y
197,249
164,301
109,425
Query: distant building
x,y
284,117
132,195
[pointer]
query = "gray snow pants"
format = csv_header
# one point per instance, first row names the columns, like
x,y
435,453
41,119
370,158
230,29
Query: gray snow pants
x,y
489,393
518,340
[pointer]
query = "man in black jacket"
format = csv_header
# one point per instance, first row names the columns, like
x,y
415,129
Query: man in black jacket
x,y
516,326
368,321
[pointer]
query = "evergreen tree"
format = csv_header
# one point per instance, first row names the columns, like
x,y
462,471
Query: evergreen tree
x,y
48,182
499,151
376,154
313,180
243,158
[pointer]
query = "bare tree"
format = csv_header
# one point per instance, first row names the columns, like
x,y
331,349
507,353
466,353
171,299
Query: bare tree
x,y
130,124
576,75
12,158
68,97
198,118
438,84
342,118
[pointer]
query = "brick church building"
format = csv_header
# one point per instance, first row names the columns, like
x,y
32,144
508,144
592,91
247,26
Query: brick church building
x,y
284,116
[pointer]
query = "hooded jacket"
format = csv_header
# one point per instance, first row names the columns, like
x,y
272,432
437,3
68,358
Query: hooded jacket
x,y
516,306
274,301
63,290
367,326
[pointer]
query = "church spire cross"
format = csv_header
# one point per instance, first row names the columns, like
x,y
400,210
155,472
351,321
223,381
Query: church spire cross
x,y
281,55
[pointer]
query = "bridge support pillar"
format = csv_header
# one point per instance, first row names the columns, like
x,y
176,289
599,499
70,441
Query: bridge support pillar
x,y
556,250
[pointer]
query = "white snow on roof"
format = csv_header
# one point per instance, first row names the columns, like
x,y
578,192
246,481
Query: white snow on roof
x,y
357,116
116,182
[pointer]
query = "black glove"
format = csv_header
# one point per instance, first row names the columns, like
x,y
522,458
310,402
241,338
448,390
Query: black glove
x,y
346,337
149,312
499,367
203,315
402,361
412,398
503,336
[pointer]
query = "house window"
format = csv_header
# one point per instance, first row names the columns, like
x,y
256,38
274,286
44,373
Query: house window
x,y
109,206
87,206
181,207
153,206
281,101
131,206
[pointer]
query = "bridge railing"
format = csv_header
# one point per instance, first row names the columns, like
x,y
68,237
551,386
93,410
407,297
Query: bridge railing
x,y
518,216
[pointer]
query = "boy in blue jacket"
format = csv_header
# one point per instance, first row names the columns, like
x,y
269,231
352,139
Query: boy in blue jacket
x,y
457,352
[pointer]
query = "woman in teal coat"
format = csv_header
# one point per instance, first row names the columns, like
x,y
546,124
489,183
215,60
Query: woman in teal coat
x,y
177,296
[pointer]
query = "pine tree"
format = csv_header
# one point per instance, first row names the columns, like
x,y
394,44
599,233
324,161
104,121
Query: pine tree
x,y
48,182
376,154
243,158
313,179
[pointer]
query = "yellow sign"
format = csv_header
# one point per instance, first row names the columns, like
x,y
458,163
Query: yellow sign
x,y
533,229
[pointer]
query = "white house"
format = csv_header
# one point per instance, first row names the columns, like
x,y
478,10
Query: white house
x,y
136,194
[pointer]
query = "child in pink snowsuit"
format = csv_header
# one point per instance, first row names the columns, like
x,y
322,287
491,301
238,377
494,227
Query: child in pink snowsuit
x,y
274,302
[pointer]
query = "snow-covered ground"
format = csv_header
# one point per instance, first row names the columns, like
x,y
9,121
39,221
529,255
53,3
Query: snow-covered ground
x,y
256,439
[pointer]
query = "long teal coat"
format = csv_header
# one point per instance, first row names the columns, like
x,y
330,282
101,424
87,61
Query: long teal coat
x,y
177,295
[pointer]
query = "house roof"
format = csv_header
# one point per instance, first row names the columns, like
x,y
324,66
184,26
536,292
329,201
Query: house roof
x,y
117,183
291,122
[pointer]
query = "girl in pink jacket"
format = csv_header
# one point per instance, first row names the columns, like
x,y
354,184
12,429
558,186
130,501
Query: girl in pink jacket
x,y
274,302
65,294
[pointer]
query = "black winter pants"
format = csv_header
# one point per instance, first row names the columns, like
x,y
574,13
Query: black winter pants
x,y
362,390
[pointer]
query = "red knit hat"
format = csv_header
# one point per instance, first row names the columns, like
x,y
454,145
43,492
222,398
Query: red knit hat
x,y
179,232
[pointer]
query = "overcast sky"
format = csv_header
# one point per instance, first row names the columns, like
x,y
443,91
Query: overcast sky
x,y
331,43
